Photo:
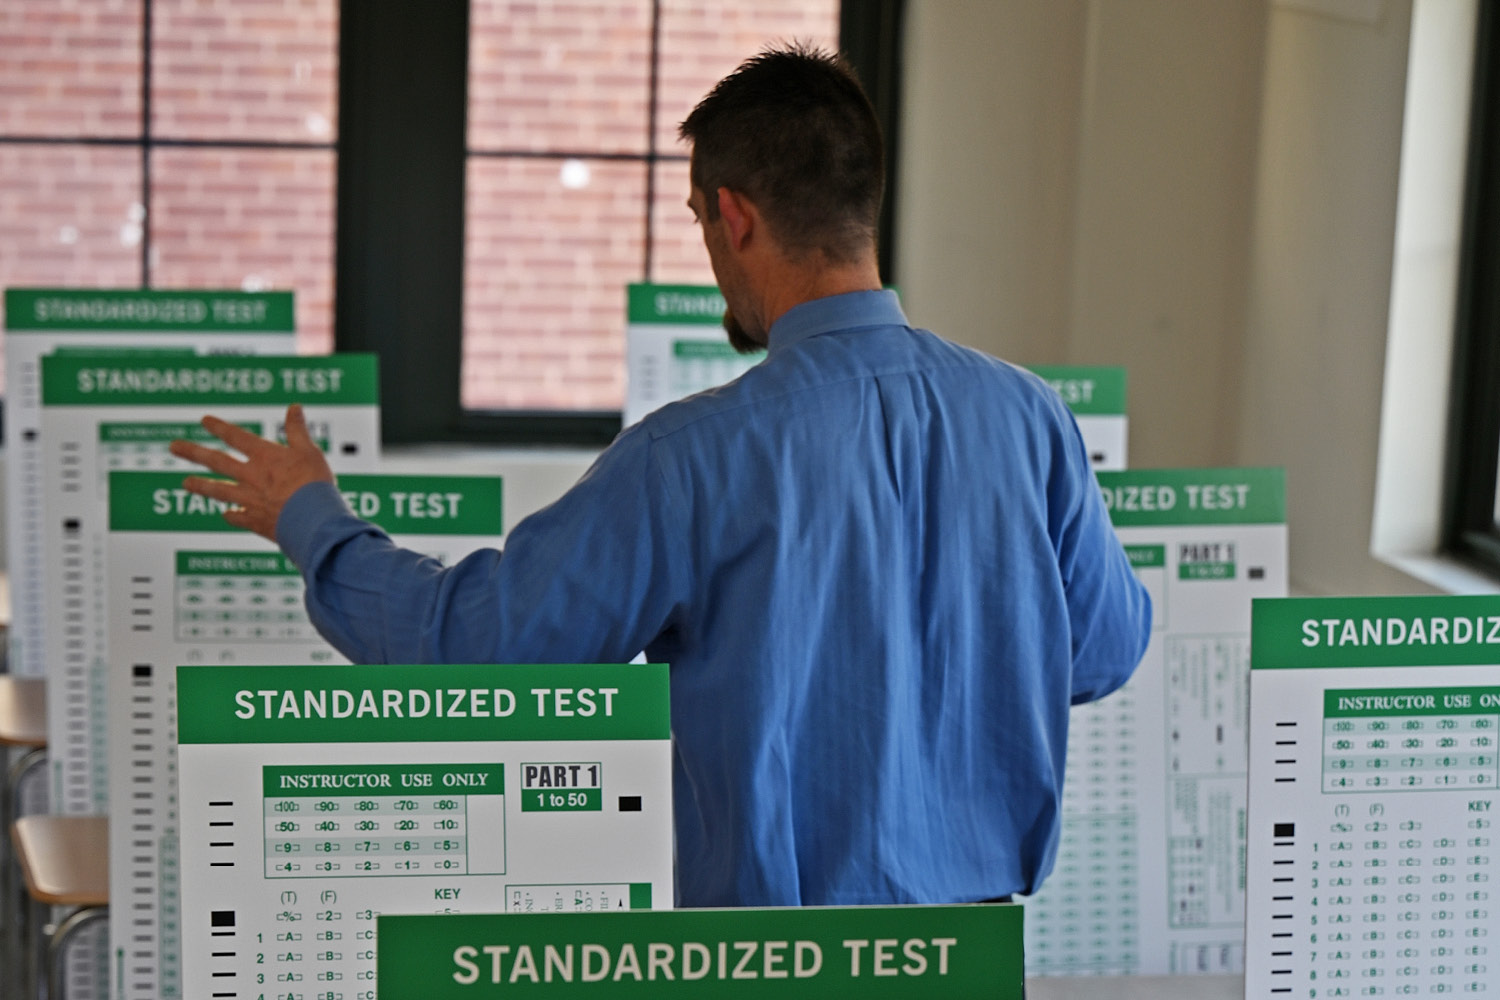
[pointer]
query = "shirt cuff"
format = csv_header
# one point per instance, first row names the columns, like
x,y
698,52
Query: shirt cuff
x,y
305,511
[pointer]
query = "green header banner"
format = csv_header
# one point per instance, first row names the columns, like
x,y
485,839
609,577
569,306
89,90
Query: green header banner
x,y
154,433
1313,632
698,305
1087,389
1367,702
1170,497
427,505
401,505
706,350
1147,556
368,781
334,703
204,563
157,501
134,310
865,952
116,350
209,380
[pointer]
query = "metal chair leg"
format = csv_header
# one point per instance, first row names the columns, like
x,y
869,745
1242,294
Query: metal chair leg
x,y
33,945
13,896
57,972
24,764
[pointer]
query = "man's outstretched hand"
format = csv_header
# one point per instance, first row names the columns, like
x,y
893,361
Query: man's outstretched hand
x,y
260,485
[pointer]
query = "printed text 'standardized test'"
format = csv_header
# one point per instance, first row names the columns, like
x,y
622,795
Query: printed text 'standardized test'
x,y
316,798
1372,867
829,953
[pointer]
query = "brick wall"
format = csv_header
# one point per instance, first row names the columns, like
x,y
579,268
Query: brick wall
x,y
256,219
67,212
547,263
544,293
75,214
70,67
563,76
245,69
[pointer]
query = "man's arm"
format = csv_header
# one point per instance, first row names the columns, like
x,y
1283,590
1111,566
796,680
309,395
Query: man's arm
x,y
1109,608
587,579
257,487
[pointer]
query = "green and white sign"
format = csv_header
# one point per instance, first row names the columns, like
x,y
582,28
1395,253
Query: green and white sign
x,y
1374,724
188,588
316,798
102,412
112,311
1096,395
1149,875
675,345
824,952
40,321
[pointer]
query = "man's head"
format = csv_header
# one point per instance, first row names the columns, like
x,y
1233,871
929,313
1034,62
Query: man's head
x,y
792,131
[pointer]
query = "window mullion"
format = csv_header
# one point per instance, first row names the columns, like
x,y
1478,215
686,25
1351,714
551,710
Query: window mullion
x,y
403,84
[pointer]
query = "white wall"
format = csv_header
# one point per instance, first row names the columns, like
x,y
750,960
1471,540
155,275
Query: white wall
x,y
1202,190
1075,188
1320,281
992,94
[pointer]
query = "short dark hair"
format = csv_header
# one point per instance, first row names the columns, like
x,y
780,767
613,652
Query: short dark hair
x,y
793,131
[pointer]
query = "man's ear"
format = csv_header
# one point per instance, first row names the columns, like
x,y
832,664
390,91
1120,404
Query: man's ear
x,y
740,216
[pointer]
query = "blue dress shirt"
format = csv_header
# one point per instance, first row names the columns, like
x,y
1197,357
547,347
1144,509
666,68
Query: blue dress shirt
x,y
880,569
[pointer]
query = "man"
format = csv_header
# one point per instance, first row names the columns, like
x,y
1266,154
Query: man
x,y
877,563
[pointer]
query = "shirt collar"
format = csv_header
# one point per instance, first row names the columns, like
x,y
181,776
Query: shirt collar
x,y
835,313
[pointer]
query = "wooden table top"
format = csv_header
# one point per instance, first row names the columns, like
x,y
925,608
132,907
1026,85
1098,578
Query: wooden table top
x,y
23,711
64,859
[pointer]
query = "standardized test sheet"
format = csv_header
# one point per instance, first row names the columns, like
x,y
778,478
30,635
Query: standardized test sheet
x,y
114,411
192,589
1096,397
675,345
1149,875
315,799
1373,868
41,321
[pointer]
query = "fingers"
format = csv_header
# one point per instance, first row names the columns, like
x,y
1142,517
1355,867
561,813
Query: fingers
x,y
236,437
256,487
297,435
217,489
215,459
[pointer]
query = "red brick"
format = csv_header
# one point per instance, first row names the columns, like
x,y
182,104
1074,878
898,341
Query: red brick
x,y
209,49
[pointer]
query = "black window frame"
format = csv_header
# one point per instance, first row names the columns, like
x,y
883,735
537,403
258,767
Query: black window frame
x,y
398,287
1470,532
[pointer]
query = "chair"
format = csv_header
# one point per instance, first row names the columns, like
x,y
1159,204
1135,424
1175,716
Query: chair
x,y
23,726
65,863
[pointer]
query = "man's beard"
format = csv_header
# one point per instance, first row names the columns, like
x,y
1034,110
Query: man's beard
x,y
738,338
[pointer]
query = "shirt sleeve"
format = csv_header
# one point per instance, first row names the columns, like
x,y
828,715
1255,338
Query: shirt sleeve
x,y
592,578
1109,609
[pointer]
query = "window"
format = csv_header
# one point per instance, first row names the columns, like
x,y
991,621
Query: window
x,y
171,144
1472,529
500,316
462,187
